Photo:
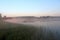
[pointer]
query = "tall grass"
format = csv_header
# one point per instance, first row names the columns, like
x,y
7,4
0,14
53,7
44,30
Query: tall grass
x,y
9,31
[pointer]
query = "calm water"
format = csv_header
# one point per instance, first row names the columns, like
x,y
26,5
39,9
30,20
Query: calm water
x,y
53,26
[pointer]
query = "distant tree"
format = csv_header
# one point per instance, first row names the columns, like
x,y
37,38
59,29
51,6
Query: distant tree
x,y
4,17
0,17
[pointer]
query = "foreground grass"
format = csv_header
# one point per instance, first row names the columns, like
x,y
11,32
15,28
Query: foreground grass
x,y
9,31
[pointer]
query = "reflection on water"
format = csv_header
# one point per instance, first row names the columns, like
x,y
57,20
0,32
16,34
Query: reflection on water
x,y
54,26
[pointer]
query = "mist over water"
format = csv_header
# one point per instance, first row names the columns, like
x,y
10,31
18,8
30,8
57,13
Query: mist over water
x,y
52,25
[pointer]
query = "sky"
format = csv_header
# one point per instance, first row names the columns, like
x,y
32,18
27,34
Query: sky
x,y
30,7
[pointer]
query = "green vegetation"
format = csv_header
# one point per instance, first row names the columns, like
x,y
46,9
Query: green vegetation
x,y
9,31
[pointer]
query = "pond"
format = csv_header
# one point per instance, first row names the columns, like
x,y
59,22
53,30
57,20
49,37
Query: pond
x,y
53,26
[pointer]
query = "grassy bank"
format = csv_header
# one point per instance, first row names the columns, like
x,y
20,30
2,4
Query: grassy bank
x,y
9,31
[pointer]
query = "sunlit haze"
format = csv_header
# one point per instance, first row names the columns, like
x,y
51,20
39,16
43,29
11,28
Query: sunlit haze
x,y
30,7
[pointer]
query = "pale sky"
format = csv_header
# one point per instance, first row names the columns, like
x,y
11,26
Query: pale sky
x,y
30,7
